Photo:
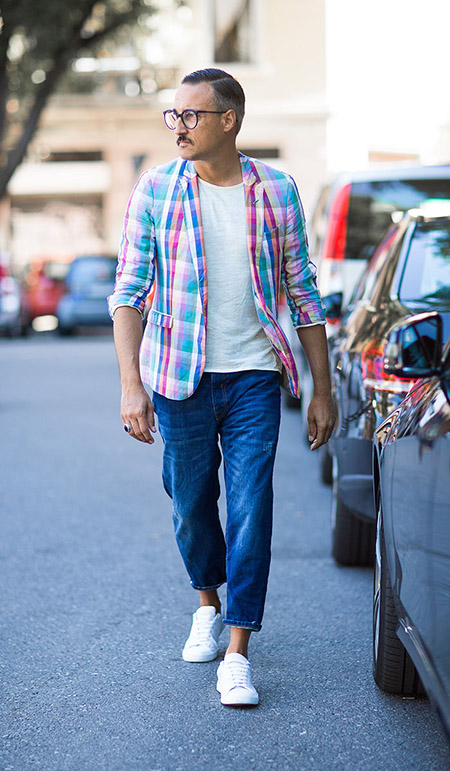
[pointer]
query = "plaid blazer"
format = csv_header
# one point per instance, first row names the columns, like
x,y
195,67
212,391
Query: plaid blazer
x,y
162,248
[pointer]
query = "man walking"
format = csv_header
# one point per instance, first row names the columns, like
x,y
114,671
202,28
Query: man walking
x,y
216,234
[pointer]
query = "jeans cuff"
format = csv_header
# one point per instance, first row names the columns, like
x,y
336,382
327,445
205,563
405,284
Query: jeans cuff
x,y
252,625
205,588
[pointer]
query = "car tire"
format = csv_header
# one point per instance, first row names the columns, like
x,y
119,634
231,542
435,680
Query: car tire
x,y
393,668
353,539
65,331
14,329
326,466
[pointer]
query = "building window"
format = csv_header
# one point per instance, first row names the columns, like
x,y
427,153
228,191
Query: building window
x,y
232,31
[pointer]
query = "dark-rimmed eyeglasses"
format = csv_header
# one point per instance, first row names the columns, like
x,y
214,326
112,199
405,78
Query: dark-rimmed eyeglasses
x,y
189,117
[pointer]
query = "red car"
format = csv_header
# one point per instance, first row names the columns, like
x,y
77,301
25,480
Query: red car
x,y
44,285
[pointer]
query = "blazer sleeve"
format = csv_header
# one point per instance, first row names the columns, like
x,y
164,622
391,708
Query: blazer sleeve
x,y
298,272
136,260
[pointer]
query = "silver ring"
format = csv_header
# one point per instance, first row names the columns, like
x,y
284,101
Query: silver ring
x,y
127,427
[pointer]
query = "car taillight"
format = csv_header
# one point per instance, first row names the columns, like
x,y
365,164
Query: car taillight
x,y
373,374
336,235
333,255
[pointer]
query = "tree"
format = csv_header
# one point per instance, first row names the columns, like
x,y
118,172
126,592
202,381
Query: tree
x,y
38,40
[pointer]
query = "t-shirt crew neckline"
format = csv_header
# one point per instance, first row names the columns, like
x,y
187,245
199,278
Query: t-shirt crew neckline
x,y
220,187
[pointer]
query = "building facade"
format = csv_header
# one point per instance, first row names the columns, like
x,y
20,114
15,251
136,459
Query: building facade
x,y
70,195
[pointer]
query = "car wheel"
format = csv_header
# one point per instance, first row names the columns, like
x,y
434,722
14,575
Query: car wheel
x,y
393,669
353,539
326,466
65,331
14,329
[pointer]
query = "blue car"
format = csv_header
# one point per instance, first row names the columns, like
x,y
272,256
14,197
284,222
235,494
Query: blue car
x,y
411,605
89,282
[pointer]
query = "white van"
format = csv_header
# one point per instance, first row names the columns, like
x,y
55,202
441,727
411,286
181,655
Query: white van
x,y
353,213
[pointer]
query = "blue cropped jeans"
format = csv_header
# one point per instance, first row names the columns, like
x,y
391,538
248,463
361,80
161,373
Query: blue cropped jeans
x,y
237,415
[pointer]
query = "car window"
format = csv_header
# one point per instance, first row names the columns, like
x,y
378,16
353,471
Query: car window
x,y
56,271
364,288
372,205
426,274
92,269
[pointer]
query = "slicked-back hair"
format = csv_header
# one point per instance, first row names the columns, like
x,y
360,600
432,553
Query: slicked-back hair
x,y
228,93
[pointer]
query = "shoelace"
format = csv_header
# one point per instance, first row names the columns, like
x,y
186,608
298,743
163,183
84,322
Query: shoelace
x,y
202,629
240,673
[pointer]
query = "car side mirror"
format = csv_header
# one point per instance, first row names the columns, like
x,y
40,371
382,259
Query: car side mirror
x,y
414,348
333,305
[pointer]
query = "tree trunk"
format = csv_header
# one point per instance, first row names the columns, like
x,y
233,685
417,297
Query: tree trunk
x,y
17,154
4,45
61,58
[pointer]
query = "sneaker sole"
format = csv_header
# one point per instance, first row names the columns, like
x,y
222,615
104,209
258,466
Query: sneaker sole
x,y
199,658
245,701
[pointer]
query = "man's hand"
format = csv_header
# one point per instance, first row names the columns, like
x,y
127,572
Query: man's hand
x,y
321,416
136,409
321,420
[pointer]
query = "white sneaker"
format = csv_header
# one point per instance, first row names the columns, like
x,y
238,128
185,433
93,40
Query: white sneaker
x,y
202,643
234,681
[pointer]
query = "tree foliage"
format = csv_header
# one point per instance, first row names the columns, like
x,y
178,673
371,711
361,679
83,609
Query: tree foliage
x,y
38,40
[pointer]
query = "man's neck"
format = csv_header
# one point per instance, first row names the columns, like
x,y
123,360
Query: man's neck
x,y
224,171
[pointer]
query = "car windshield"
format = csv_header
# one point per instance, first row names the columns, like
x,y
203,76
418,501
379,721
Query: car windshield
x,y
426,275
372,205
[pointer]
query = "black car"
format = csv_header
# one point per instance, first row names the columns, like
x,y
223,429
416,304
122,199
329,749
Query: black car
x,y
411,629
89,281
350,218
409,274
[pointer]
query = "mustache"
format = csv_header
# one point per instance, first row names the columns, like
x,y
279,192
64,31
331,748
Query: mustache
x,y
183,139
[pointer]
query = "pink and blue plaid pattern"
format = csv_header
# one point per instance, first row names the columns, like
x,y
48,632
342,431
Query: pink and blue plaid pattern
x,y
162,244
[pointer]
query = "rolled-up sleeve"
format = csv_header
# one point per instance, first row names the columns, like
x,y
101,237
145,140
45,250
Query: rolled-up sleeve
x,y
135,266
298,272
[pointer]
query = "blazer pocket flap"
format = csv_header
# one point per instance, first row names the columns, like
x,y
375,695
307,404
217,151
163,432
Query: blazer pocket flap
x,y
161,319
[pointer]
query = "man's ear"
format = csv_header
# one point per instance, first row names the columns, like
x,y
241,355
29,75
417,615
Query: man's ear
x,y
229,120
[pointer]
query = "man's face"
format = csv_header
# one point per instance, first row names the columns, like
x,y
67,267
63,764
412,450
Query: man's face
x,y
205,141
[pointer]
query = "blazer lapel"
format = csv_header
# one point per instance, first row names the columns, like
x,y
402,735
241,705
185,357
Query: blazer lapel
x,y
194,228
254,197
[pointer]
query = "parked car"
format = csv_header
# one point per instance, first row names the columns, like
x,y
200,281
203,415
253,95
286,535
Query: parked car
x,y
411,603
44,285
409,274
349,220
353,213
88,283
12,320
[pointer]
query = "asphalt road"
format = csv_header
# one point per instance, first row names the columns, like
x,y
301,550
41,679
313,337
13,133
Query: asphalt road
x,y
96,605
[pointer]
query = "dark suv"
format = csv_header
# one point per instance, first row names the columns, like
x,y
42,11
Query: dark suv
x,y
408,274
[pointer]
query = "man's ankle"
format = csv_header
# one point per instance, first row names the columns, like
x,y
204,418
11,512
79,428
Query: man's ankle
x,y
210,598
239,640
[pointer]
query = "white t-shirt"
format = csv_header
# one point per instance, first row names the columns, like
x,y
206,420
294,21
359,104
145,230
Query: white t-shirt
x,y
235,340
